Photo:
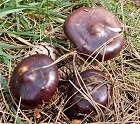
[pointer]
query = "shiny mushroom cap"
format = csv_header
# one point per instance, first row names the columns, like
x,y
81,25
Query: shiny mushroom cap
x,y
98,90
94,31
33,83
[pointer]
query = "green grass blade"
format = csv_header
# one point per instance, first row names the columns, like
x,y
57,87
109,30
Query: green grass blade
x,y
8,46
4,12
4,54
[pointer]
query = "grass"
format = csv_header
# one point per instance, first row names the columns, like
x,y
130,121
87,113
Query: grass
x,y
24,23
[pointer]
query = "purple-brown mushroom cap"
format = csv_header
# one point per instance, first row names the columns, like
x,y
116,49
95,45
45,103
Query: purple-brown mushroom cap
x,y
33,83
96,86
94,31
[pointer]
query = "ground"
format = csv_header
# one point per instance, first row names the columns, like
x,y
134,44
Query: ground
x,y
25,23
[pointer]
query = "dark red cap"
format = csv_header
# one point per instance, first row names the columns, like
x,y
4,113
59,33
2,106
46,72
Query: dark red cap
x,y
94,30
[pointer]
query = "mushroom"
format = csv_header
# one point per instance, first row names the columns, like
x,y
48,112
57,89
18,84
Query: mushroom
x,y
94,31
96,87
32,83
